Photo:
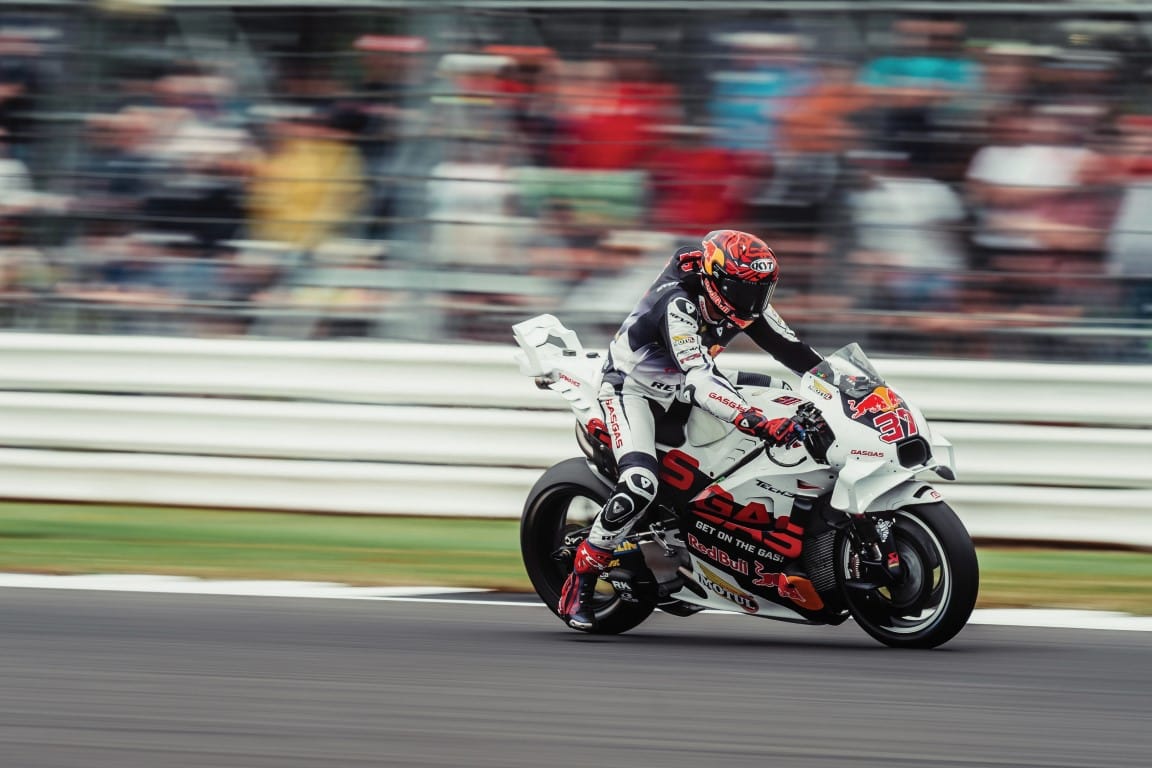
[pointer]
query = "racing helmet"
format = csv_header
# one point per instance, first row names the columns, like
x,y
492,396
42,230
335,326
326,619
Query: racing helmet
x,y
738,274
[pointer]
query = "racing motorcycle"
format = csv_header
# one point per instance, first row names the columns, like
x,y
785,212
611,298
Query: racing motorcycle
x,y
837,525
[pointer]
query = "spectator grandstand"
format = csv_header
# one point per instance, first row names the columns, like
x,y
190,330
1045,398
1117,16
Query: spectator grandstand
x,y
968,180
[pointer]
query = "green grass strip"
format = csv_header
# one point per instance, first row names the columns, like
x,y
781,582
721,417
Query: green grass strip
x,y
369,550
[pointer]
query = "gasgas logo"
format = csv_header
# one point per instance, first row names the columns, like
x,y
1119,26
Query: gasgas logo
x,y
880,400
868,453
726,401
714,583
614,424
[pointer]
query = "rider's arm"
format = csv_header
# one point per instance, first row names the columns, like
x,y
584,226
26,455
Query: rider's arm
x,y
708,387
773,335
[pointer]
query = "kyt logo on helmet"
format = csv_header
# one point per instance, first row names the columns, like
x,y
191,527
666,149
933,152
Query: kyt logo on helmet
x,y
739,272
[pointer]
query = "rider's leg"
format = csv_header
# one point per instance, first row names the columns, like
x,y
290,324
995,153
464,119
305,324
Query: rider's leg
x,y
634,491
632,427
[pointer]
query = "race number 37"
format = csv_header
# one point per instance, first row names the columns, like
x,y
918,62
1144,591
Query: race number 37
x,y
895,425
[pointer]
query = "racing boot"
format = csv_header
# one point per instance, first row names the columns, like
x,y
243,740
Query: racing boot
x,y
576,597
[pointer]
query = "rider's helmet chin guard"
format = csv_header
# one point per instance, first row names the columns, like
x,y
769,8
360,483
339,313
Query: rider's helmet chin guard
x,y
738,274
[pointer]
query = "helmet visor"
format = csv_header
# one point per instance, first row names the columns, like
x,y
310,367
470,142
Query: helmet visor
x,y
747,299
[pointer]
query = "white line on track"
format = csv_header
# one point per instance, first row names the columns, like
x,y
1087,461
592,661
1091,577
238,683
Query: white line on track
x,y
183,585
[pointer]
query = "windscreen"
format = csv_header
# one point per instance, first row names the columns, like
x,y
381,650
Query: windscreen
x,y
850,371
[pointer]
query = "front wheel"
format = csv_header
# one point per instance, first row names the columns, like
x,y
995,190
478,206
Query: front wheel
x,y
559,511
937,593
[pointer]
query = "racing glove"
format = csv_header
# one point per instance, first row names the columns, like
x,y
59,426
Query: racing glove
x,y
774,431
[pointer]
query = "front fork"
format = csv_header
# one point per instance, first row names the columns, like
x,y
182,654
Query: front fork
x,y
873,560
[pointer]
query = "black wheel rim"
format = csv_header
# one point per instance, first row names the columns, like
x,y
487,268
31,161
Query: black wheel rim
x,y
922,598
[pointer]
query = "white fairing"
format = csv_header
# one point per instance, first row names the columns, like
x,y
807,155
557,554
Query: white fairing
x,y
553,355
723,593
870,421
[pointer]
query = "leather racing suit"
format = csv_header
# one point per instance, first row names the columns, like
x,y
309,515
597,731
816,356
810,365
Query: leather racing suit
x,y
663,352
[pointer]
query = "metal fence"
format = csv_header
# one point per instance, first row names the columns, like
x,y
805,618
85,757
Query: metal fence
x,y
940,179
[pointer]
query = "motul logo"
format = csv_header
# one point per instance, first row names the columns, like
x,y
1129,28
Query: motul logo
x,y
727,591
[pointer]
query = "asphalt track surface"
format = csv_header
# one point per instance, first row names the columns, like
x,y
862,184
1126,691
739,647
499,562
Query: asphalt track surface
x,y
100,679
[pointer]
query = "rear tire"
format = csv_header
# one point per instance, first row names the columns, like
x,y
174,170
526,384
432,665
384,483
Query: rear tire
x,y
942,580
563,503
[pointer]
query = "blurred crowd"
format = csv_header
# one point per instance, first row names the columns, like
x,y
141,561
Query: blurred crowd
x,y
935,184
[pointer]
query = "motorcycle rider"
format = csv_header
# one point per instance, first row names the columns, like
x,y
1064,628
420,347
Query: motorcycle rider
x,y
663,352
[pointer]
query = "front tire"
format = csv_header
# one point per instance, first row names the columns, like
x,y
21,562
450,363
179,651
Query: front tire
x,y
938,592
562,505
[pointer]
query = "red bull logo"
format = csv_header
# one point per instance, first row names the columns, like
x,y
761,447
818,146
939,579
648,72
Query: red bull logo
x,y
880,400
795,588
713,257
718,555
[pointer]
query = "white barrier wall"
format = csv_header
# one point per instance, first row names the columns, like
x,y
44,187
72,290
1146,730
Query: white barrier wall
x,y
486,376
382,428
986,453
1101,516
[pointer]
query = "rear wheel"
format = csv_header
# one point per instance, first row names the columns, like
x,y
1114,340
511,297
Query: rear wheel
x,y
938,591
559,511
